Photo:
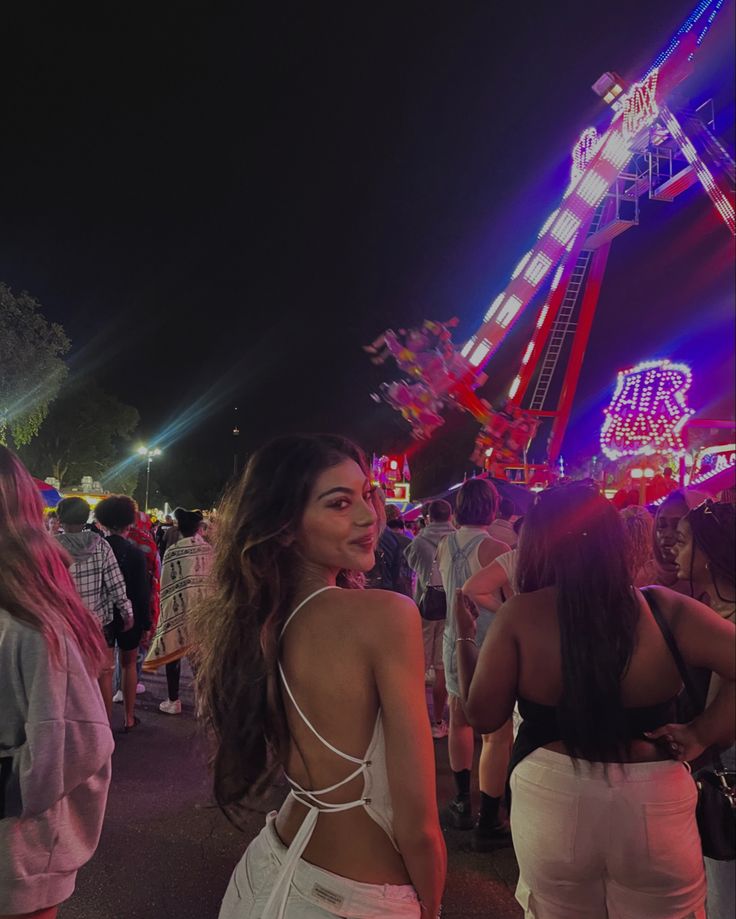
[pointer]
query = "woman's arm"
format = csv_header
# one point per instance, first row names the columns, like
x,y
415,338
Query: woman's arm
x,y
708,641
485,586
488,678
398,662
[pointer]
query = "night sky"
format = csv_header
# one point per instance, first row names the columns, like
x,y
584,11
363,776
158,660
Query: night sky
x,y
222,202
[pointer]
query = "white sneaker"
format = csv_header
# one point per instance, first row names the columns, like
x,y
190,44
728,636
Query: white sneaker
x,y
170,708
439,730
118,697
139,689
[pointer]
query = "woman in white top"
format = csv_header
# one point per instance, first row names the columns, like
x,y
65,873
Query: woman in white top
x,y
490,587
327,683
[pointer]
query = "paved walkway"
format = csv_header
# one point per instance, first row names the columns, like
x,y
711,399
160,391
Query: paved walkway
x,y
167,852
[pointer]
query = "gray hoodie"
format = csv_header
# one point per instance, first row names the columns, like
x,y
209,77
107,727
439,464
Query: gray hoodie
x,y
55,749
421,552
97,575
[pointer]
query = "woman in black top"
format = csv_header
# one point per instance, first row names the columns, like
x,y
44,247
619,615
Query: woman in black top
x,y
117,514
603,819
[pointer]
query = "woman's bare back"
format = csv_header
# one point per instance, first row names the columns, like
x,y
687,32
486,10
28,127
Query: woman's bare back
x,y
325,654
650,679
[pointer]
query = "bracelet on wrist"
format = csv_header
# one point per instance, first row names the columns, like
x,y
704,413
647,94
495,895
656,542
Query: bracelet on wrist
x,y
462,638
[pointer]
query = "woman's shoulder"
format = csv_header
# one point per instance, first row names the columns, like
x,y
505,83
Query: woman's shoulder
x,y
681,610
667,601
386,602
22,645
534,608
372,611
15,631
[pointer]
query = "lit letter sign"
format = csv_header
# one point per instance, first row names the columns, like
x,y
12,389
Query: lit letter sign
x,y
648,410
640,106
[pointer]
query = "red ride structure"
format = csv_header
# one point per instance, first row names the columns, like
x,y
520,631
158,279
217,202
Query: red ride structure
x,y
647,149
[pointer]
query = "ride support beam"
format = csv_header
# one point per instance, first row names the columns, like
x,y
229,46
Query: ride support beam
x,y
577,353
546,320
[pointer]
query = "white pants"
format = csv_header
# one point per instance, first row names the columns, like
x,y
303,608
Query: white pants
x,y
591,845
315,893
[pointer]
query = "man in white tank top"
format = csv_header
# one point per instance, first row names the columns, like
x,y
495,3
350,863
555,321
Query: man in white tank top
x,y
460,555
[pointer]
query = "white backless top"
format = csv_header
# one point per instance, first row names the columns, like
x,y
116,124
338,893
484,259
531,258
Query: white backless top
x,y
375,798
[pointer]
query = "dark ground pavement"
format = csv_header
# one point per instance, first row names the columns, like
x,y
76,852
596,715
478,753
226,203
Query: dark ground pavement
x,y
167,852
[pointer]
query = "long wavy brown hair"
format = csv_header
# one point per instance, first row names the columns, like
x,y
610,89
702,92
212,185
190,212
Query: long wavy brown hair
x,y
35,584
236,630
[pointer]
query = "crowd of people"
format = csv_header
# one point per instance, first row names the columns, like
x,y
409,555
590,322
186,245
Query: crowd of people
x,y
590,647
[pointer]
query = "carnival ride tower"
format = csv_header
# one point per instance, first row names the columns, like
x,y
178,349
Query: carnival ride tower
x,y
648,149
659,170
659,154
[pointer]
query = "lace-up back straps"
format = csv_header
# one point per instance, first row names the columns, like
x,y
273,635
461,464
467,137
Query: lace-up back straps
x,y
352,759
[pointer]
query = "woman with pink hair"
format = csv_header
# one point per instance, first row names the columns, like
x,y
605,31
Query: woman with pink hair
x,y
55,739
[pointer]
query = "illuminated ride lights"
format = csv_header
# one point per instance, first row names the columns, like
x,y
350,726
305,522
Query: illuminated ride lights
x,y
717,470
584,150
728,463
597,162
648,411
720,200
688,26
538,269
592,188
565,227
522,264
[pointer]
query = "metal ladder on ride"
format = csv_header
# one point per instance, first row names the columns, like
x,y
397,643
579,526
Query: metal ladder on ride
x,y
563,324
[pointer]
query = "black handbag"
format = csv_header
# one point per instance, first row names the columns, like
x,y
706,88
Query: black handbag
x,y
433,605
716,810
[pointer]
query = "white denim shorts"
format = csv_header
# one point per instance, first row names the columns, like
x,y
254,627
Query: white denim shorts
x,y
449,651
614,843
314,894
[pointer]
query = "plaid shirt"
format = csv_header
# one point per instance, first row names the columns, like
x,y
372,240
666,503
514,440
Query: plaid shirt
x,y
98,579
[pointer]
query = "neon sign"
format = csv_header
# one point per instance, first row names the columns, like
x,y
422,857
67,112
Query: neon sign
x,y
648,410
639,106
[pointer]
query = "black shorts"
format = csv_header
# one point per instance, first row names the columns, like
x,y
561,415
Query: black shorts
x,y
114,634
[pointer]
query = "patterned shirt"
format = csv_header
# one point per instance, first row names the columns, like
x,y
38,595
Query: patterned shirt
x,y
97,575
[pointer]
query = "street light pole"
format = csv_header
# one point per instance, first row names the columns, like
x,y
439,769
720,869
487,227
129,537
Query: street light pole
x,y
236,434
148,479
149,454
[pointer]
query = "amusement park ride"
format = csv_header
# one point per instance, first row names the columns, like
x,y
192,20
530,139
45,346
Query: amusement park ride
x,y
648,149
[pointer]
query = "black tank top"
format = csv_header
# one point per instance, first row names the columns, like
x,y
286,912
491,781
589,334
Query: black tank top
x,y
540,725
